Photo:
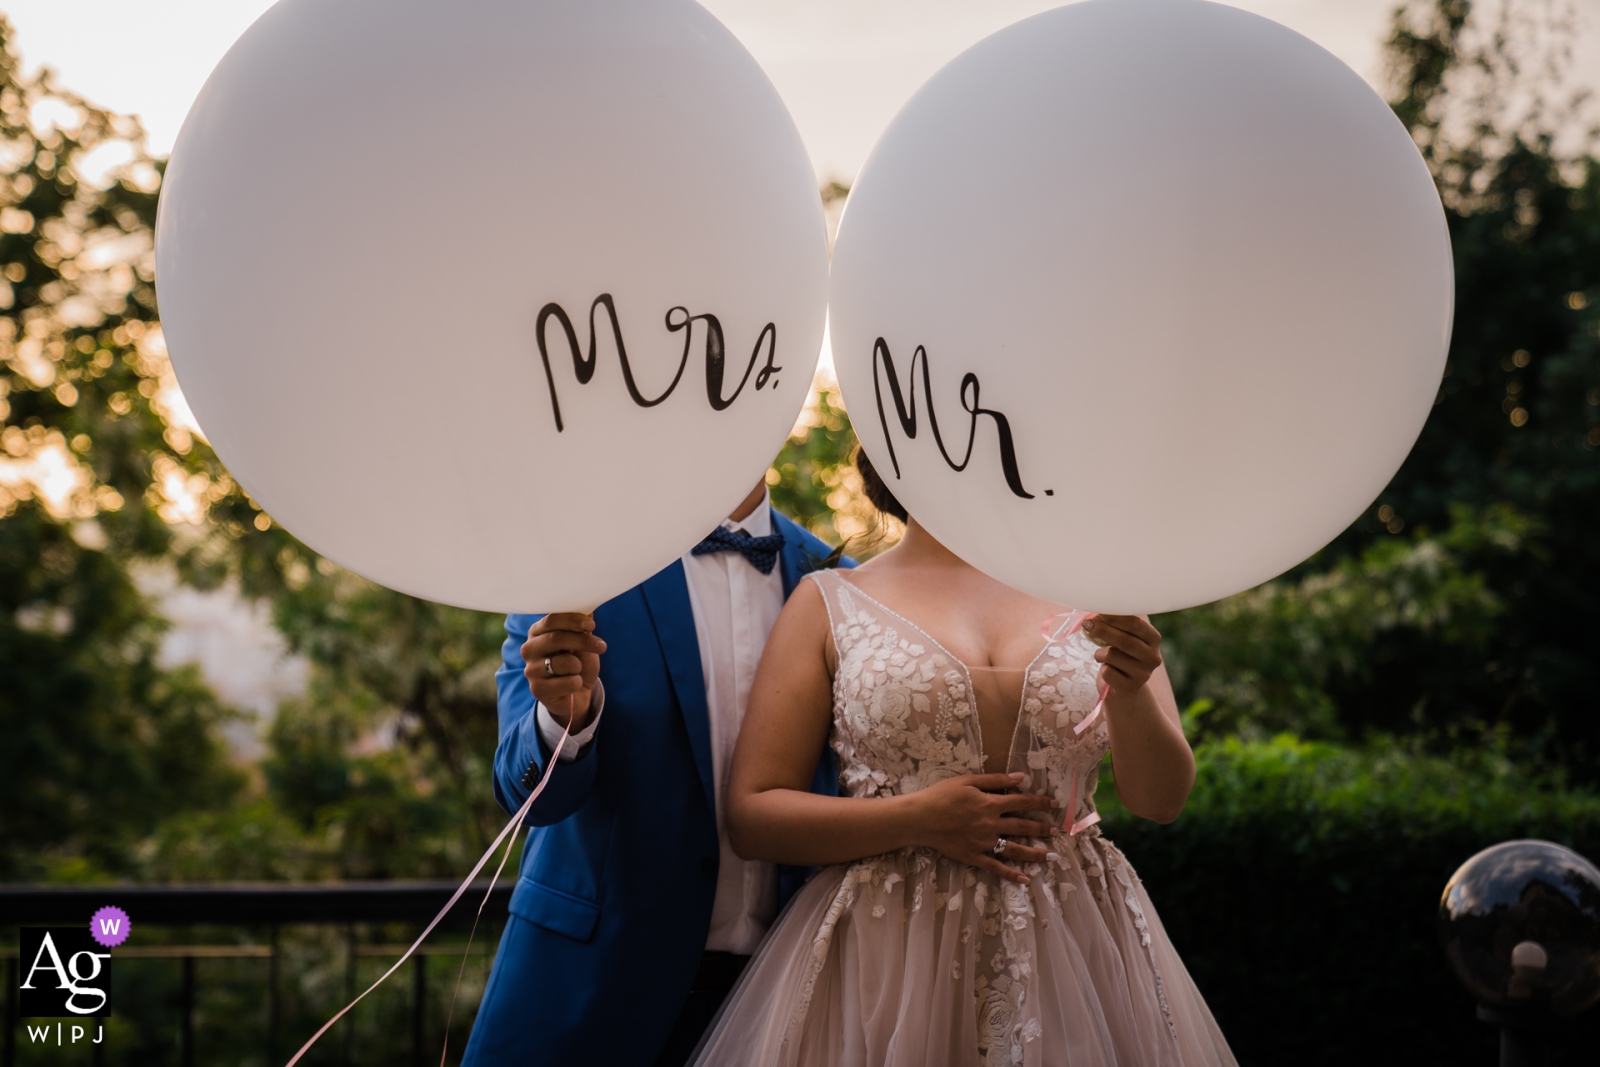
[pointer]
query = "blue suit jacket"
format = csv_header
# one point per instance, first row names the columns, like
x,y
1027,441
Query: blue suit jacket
x,y
613,904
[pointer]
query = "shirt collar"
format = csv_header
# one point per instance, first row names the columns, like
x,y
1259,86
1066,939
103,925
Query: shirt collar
x,y
759,522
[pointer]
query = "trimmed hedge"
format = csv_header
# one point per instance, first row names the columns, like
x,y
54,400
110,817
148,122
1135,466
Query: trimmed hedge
x,y
1301,885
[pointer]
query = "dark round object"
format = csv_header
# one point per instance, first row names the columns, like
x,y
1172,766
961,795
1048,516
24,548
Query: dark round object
x,y
1525,891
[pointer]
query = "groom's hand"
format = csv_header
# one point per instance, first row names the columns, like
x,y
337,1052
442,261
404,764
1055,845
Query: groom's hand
x,y
562,657
964,818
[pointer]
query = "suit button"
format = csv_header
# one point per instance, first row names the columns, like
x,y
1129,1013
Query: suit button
x,y
708,865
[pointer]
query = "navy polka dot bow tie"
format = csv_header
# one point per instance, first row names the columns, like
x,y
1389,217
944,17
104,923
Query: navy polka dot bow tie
x,y
762,552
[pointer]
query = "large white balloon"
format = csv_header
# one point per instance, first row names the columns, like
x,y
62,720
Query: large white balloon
x,y
1175,283
395,233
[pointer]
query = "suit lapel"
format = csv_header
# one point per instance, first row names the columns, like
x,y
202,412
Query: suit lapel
x,y
667,595
792,559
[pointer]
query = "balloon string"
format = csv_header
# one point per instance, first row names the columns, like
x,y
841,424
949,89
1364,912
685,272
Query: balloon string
x,y
510,844
510,830
461,971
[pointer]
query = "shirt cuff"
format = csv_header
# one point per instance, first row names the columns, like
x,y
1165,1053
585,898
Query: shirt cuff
x,y
550,730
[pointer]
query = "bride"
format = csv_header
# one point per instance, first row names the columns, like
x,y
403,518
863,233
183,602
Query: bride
x,y
968,909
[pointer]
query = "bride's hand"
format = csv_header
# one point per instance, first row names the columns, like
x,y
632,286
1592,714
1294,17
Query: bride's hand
x,y
964,817
1131,650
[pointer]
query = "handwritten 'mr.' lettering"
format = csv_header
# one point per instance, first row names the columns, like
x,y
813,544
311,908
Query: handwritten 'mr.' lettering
x,y
905,409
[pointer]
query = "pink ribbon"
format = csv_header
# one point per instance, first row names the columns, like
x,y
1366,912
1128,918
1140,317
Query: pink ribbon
x,y
511,829
1071,623
1073,828
1090,718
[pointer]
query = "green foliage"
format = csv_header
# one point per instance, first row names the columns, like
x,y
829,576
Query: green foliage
x,y
421,672
345,792
101,743
1517,420
806,476
386,762
1281,656
814,480
87,397
382,769
1301,886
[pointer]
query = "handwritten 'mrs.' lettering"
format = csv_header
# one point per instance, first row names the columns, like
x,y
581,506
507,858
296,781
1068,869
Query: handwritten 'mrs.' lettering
x,y
905,409
678,320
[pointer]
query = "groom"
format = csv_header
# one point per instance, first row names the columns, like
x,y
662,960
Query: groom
x,y
633,916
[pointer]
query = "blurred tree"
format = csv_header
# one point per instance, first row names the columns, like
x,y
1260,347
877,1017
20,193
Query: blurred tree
x,y
345,797
1516,423
410,679
1465,599
383,768
1468,599
1281,656
103,477
100,741
813,480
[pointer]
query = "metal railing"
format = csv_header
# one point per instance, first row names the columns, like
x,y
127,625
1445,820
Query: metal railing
x,y
268,905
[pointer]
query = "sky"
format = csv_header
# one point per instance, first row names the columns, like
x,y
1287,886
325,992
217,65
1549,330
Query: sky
x,y
844,67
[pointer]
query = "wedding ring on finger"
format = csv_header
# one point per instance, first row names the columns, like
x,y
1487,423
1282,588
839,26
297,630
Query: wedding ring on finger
x,y
549,669
1000,844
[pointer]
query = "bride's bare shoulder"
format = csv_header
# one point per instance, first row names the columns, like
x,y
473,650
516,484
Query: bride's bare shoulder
x,y
806,610
804,624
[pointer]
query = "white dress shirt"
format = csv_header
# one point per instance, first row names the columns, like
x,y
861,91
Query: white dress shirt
x,y
734,607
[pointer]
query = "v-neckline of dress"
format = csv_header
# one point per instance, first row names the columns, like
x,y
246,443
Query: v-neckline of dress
x,y
966,672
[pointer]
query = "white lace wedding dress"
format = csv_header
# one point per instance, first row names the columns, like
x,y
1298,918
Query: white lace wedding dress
x,y
911,958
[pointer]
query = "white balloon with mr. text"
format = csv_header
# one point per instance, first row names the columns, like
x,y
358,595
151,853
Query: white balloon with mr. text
x,y
499,304
1138,303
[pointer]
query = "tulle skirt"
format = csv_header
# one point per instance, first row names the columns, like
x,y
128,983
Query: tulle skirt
x,y
913,960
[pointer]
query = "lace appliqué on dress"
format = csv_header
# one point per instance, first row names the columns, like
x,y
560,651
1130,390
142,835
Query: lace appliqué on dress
x,y
904,718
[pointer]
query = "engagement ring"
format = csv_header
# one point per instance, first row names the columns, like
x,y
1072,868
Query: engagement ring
x,y
999,846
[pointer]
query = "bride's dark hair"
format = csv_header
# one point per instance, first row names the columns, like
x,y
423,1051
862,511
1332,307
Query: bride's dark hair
x,y
875,490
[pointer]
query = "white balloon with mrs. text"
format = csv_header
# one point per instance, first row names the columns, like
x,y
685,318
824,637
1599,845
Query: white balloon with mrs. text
x,y
499,304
